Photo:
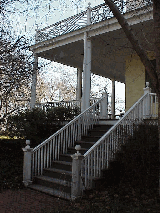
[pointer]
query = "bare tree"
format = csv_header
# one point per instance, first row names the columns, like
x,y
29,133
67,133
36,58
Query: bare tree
x,y
15,74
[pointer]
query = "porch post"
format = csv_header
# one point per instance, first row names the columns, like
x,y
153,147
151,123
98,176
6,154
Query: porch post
x,y
34,82
76,187
146,103
79,85
113,100
104,107
86,67
27,164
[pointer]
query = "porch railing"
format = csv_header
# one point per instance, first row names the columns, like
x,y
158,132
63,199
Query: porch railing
x,y
50,149
153,105
72,104
99,155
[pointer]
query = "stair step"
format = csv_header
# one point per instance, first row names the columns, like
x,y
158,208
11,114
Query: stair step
x,y
90,138
58,174
50,191
65,157
95,132
63,165
53,183
102,127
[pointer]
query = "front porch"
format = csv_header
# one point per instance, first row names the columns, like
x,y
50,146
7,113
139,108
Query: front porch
x,y
94,42
98,46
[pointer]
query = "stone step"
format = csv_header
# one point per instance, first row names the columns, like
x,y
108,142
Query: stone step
x,y
50,191
95,132
90,138
58,174
102,127
63,165
65,157
58,184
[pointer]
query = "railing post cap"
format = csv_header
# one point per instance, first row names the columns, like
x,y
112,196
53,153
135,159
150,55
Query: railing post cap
x,y
27,147
89,4
78,147
27,142
147,84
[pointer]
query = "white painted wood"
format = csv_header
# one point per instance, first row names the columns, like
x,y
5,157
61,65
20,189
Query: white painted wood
x,y
76,187
64,138
113,100
86,73
34,82
27,165
79,85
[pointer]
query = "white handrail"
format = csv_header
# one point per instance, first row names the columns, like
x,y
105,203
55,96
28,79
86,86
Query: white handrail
x,y
50,149
99,155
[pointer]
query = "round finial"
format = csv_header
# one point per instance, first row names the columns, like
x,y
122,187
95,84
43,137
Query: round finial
x,y
28,144
147,84
89,4
78,148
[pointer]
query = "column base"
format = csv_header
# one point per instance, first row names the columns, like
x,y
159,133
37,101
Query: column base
x,y
27,183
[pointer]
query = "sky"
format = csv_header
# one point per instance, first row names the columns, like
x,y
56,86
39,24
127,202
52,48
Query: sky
x,y
42,13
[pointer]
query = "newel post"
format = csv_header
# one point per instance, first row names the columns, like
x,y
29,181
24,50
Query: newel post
x,y
27,164
76,187
146,103
104,107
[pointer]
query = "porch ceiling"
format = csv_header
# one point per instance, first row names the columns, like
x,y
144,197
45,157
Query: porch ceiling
x,y
110,47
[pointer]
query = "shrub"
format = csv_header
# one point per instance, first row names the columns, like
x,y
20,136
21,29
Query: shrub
x,y
11,163
37,124
140,159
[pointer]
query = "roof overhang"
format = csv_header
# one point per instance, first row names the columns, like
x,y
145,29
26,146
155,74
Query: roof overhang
x,y
110,47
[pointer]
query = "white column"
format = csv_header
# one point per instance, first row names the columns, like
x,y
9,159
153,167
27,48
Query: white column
x,y
76,187
34,82
113,100
27,164
87,66
104,107
79,85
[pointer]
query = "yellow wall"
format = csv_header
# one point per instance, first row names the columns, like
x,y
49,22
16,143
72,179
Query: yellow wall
x,y
135,80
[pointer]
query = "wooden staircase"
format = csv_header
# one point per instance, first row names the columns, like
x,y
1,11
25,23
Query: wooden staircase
x,y
49,166
56,180
137,157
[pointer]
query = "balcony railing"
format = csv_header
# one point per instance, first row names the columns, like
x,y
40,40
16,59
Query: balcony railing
x,y
91,16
